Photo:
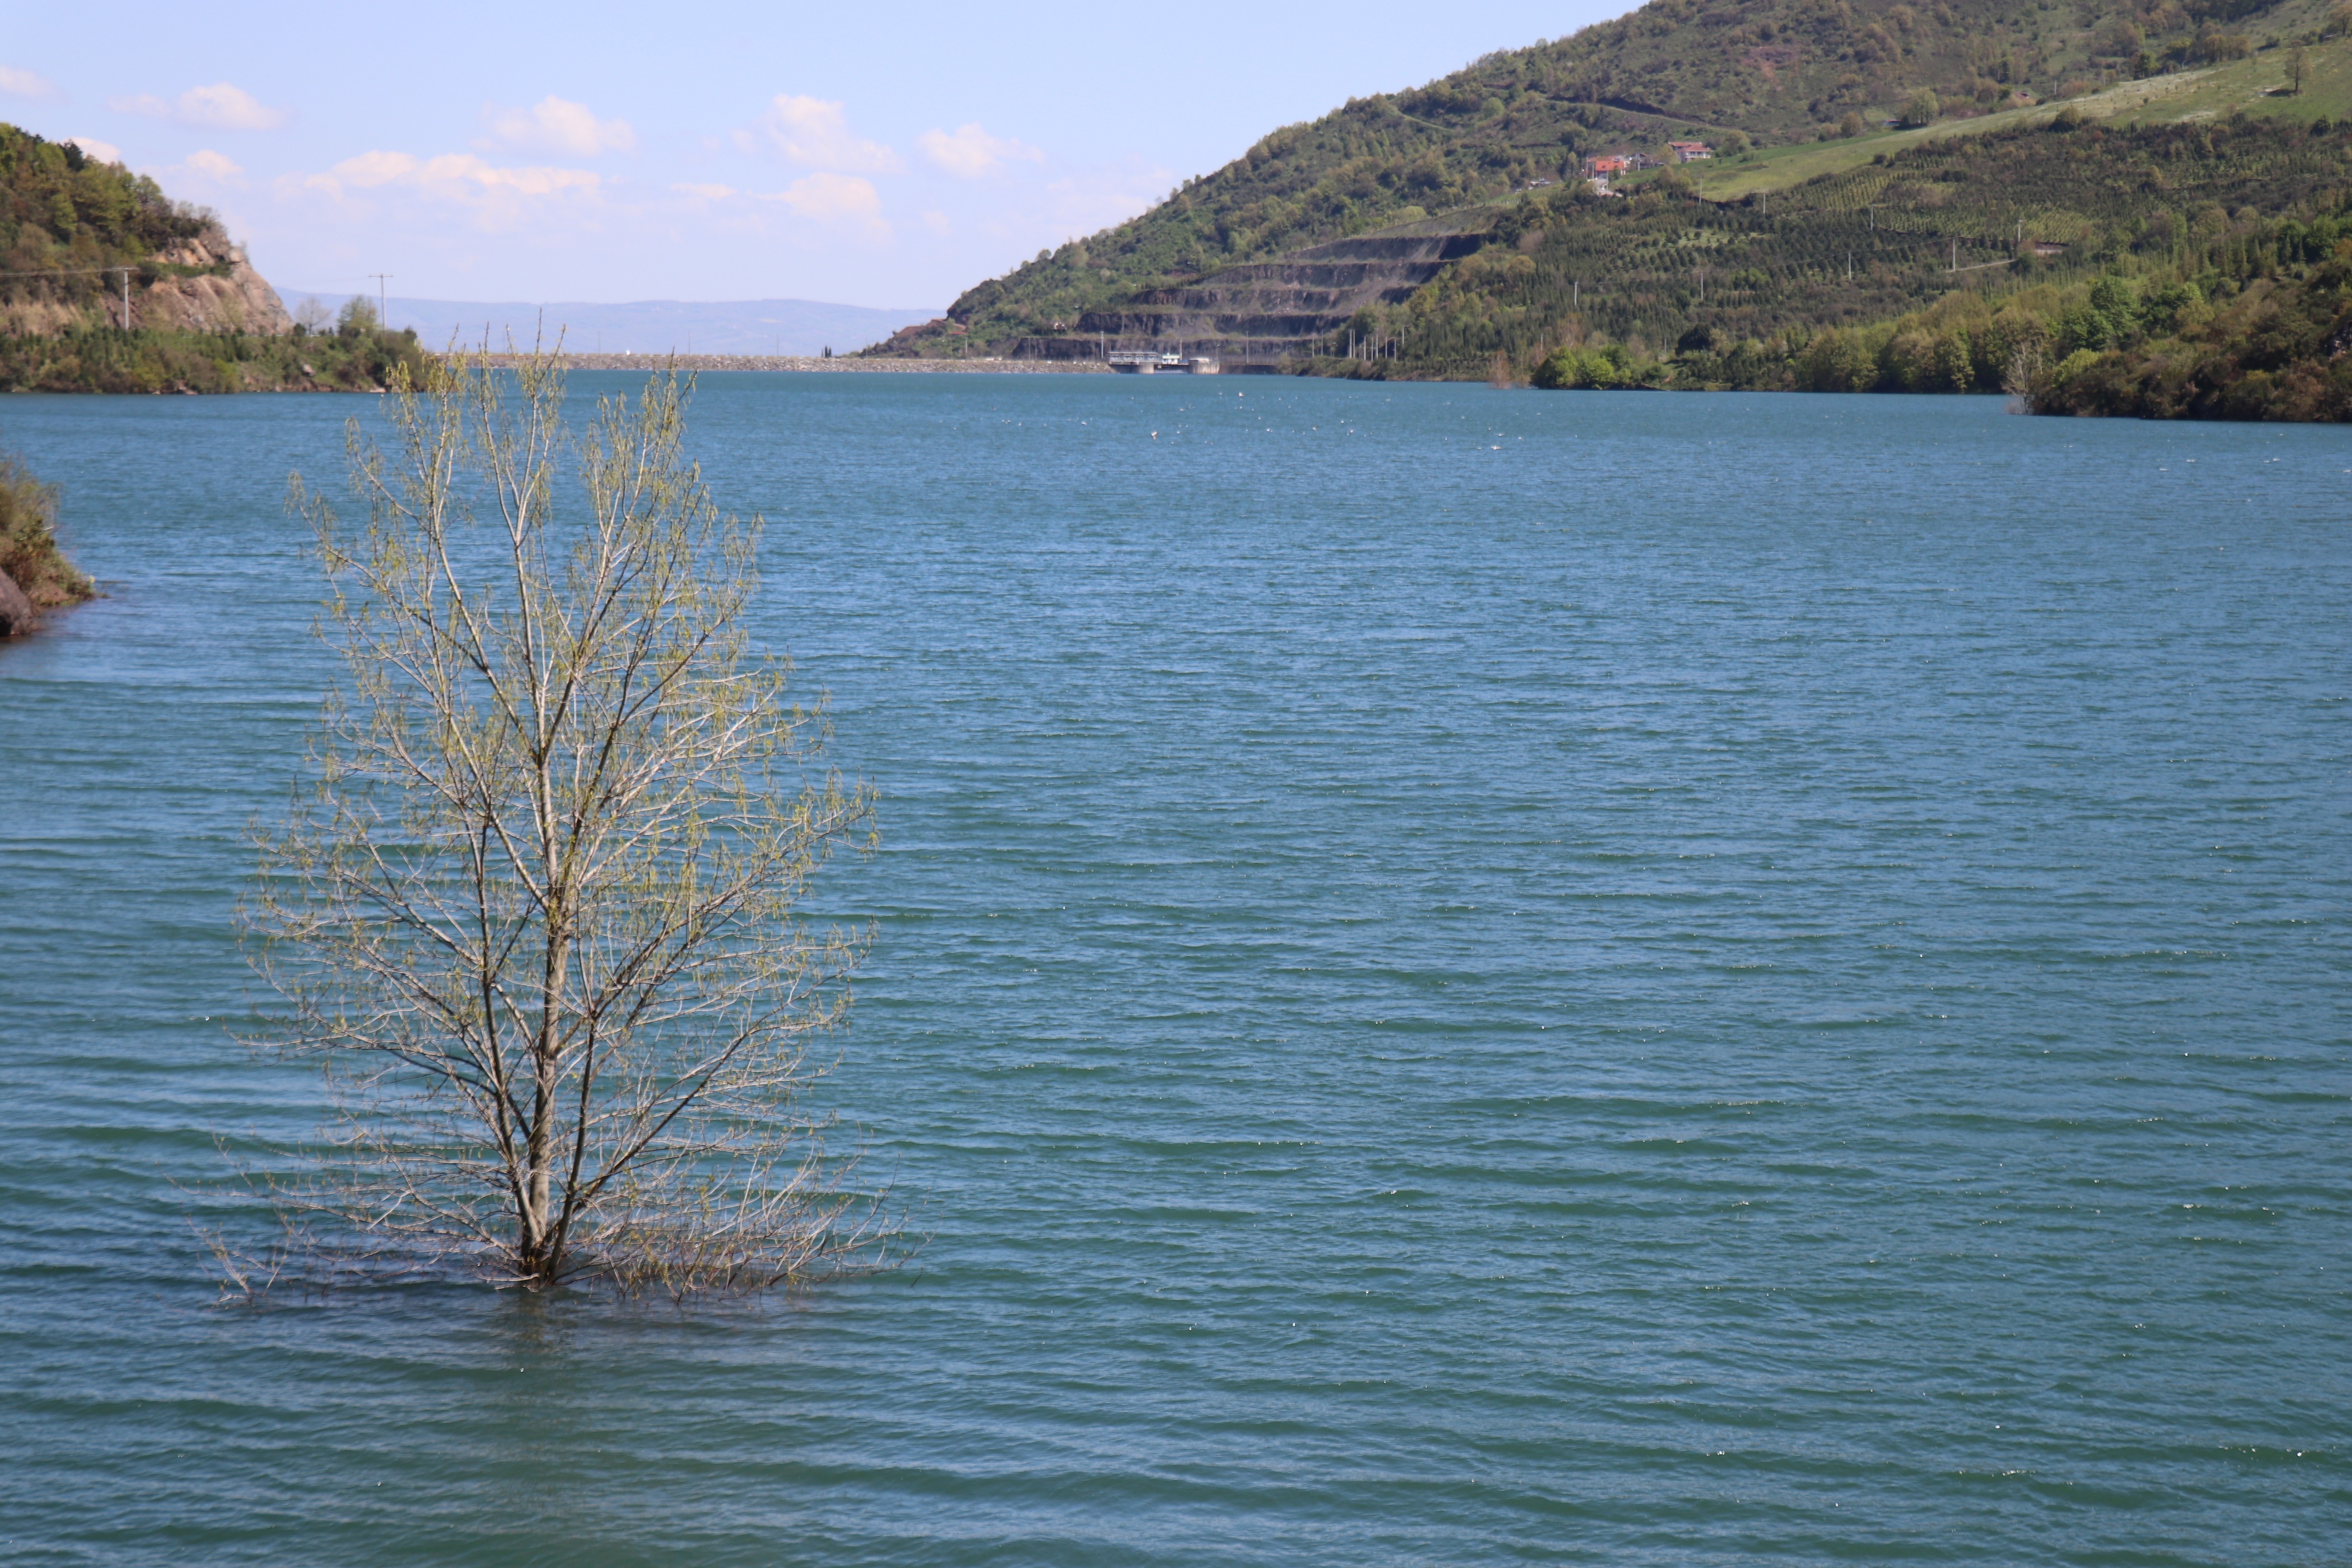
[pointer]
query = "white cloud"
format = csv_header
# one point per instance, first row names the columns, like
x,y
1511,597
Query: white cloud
x,y
496,195
215,167
455,172
220,107
972,152
26,84
1099,198
827,198
557,125
104,151
937,222
814,133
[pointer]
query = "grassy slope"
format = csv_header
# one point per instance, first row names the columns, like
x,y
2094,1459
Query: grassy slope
x,y
1780,70
2246,86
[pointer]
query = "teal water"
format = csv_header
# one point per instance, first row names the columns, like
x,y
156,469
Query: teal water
x,y
1462,977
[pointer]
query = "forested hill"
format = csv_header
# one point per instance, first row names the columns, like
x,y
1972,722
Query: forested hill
x,y
63,216
1777,71
76,235
56,195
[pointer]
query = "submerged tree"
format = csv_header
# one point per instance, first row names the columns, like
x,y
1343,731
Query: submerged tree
x,y
538,908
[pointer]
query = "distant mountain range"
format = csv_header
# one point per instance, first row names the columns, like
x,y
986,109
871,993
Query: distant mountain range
x,y
643,326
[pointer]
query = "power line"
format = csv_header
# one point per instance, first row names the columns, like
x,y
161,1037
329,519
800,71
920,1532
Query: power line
x,y
68,271
86,272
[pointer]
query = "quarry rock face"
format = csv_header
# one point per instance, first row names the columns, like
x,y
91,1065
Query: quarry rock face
x,y
1265,309
243,300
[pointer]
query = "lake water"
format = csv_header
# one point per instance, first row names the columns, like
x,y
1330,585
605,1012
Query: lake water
x,y
1462,977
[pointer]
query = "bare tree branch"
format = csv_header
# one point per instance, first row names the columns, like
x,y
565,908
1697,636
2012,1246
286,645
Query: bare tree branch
x,y
537,908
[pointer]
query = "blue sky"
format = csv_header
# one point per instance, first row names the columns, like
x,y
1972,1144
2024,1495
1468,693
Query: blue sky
x,y
875,154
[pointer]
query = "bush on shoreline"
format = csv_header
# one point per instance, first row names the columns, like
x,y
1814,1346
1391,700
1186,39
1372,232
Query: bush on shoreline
x,y
29,540
1602,369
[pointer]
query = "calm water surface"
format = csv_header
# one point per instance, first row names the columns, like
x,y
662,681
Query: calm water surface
x,y
1464,978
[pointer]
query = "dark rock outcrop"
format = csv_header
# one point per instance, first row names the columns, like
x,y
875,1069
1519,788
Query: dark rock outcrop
x,y
17,615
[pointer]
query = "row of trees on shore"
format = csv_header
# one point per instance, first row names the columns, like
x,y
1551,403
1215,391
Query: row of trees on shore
x,y
356,356
2258,328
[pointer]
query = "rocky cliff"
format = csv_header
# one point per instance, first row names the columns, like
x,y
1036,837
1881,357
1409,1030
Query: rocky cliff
x,y
227,295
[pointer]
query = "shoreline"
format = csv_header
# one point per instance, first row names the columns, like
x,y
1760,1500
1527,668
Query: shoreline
x,y
807,362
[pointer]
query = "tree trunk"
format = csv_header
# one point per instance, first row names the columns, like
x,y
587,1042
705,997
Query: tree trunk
x,y
540,1259
532,1242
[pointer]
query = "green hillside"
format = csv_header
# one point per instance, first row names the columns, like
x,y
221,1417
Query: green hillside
x,y
1666,273
2243,318
64,217
1810,81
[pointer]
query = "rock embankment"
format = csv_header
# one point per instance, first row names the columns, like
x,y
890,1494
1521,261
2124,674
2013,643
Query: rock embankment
x,y
17,615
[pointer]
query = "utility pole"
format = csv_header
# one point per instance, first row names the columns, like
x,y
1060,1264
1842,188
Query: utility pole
x,y
380,278
125,271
